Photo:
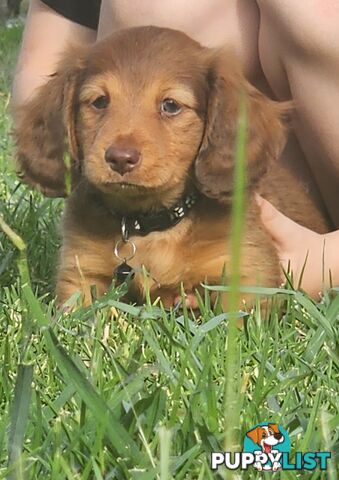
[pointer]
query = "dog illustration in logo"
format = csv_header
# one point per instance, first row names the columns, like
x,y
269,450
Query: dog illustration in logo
x,y
267,436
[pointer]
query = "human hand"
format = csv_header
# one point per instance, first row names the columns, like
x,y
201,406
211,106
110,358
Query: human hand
x,y
307,254
300,250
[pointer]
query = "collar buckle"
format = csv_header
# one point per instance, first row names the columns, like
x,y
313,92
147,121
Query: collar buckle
x,y
124,229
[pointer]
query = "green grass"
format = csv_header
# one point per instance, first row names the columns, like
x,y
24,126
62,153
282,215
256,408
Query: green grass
x,y
134,392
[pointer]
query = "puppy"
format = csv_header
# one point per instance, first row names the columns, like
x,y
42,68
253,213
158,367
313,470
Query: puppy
x,y
266,437
149,119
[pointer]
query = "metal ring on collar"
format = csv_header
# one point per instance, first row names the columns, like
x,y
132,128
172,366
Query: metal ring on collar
x,y
124,242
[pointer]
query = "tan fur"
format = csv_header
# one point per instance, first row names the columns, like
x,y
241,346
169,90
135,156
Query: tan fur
x,y
137,69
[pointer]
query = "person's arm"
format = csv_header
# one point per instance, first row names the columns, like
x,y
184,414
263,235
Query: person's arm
x,y
46,35
295,244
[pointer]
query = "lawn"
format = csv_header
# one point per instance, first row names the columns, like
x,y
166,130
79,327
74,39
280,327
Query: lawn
x,y
136,392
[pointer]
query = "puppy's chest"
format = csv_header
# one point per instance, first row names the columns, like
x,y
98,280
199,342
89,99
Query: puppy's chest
x,y
163,255
185,253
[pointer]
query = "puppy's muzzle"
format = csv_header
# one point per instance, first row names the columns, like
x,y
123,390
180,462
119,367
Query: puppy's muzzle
x,y
122,160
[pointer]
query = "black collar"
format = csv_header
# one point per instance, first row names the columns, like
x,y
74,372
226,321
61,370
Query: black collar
x,y
144,223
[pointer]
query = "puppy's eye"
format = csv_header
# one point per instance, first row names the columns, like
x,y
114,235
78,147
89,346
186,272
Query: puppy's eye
x,y
264,435
100,102
170,107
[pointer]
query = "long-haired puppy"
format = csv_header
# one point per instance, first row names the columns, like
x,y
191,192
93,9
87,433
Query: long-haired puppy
x,y
148,118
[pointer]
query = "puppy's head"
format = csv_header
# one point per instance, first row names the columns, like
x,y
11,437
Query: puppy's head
x,y
266,436
145,111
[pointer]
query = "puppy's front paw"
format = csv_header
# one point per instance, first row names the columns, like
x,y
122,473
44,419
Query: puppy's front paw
x,y
258,466
190,300
276,466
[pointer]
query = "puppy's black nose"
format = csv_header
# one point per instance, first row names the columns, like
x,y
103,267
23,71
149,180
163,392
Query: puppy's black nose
x,y
122,160
277,436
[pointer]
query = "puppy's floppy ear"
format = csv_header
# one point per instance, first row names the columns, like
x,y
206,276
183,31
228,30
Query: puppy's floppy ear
x,y
45,129
274,427
214,165
254,435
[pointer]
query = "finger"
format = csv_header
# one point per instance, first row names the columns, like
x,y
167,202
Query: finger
x,y
282,229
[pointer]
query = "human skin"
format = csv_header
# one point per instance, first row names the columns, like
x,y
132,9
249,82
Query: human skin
x,y
285,49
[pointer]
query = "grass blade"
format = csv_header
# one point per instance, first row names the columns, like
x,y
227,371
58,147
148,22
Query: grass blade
x,y
231,401
165,447
19,419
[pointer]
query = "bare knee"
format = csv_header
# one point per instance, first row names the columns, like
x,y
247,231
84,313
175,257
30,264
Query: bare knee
x,y
291,35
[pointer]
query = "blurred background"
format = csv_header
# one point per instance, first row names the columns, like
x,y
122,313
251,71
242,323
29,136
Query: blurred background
x,y
10,9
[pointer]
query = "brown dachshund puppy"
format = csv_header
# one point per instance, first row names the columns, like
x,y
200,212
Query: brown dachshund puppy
x,y
149,118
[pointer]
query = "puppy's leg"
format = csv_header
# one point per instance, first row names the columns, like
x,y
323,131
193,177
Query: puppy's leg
x,y
69,283
84,263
